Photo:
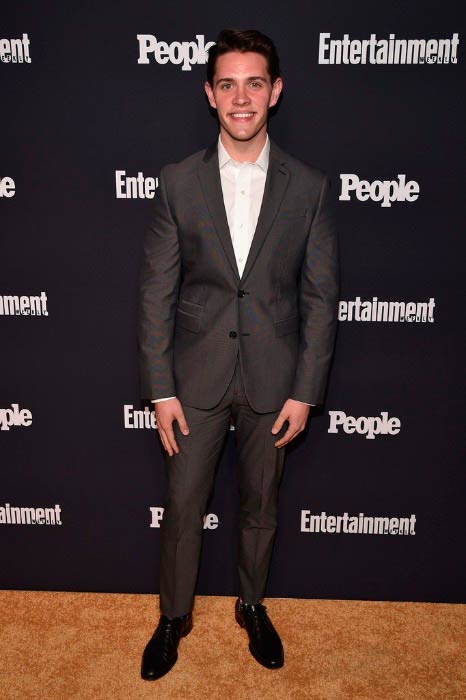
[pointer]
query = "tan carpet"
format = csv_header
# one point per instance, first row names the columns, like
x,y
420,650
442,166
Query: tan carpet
x,y
56,646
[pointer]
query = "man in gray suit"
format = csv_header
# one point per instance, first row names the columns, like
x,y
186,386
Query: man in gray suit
x,y
238,311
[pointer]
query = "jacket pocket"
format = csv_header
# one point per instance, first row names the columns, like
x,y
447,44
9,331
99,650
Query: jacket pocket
x,y
286,325
191,306
188,321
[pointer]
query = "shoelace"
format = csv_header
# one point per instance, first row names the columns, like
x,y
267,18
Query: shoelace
x,y
257,613
167,631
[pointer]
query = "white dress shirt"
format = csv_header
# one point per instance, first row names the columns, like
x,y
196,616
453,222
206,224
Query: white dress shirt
x,y
243,189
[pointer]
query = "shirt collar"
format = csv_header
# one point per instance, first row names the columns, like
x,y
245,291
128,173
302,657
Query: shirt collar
x,y
262,159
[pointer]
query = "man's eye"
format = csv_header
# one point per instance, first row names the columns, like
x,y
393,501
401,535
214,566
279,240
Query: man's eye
x,y
226,85
255,83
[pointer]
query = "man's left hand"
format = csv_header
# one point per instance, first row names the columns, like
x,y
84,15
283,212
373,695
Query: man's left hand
x,y
296,413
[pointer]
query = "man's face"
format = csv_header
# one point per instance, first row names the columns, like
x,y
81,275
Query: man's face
x,y
242,94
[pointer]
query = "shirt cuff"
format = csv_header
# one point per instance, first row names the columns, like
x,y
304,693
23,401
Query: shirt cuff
x,y
164,399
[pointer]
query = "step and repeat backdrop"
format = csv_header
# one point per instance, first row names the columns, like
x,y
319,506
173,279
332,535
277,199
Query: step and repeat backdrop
x,y
96,98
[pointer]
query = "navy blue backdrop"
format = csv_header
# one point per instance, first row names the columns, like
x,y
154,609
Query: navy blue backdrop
x,y
371,503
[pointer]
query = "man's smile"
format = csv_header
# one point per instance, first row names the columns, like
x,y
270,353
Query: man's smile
x,y
242,115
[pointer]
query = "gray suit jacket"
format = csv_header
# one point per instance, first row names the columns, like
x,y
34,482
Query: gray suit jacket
x,y
196,313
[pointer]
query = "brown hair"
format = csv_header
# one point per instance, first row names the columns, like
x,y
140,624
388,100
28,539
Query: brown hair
x,y
244,40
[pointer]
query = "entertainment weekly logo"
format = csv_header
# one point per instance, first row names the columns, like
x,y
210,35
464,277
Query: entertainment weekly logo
x,y
15,50
211,521
179,53
30,515
389,51
27,305
7,187
144,419
384,192
376,311
360,524
134,186
139,419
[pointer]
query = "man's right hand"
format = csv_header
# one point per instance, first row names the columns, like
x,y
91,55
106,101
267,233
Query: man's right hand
x,y
166,412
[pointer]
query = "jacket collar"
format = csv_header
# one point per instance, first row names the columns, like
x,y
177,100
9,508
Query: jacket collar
x,y
262,160
276,183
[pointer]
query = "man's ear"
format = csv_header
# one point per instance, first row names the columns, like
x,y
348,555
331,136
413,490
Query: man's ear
x,y
210,94
277,87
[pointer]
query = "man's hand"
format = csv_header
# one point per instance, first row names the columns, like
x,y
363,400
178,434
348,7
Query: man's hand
x,y
166,412
296,413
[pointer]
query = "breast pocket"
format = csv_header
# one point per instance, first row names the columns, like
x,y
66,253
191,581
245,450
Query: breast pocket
x,y
291,215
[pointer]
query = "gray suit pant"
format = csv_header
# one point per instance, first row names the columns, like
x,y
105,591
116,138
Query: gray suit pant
x,y
191,475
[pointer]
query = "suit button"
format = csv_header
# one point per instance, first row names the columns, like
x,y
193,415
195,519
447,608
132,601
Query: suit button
x,y
241,293
233,334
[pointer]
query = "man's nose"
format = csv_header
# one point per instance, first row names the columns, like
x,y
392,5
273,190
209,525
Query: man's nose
x,y
241,96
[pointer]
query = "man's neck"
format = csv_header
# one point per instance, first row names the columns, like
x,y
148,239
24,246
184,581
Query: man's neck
x,y
244,150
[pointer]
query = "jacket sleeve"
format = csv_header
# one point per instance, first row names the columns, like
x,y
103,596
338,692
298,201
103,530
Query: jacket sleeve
x,y
158,291
318,303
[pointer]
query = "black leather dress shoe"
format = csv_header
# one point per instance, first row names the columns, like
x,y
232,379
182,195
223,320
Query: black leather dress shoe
x,y
161,652
264,643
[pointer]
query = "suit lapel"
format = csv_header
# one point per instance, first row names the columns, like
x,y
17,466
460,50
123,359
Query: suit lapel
x,y
209,176
276,183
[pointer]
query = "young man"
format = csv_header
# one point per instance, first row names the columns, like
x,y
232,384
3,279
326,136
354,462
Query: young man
x,y
238,313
